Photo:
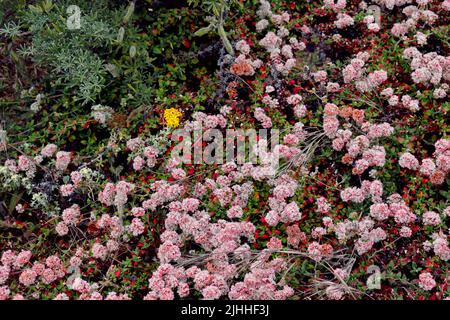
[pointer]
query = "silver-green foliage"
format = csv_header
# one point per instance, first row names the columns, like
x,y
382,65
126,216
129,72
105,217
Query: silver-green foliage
x,y
76,56
217,10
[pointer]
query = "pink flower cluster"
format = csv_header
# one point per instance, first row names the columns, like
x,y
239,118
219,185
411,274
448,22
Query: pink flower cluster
x,y
116,194
29,273
408,161
318,251
260,282
323,206
441,247
261,116
280,49
436,168
343,21
71,215
429,68
49,150
63,159
148,156
280,211
426,281
335,5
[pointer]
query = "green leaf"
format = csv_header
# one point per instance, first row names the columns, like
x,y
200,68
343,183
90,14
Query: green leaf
x,y
225,40
201,32
35,9
14,200
157,50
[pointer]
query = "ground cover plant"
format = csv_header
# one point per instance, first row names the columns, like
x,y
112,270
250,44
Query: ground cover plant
x,y
230,149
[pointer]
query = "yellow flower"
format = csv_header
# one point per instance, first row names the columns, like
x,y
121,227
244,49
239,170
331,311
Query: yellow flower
x,y
172,117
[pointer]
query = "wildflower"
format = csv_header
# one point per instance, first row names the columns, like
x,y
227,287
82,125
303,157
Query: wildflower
x,y
27,277
22,258
343,21
172,117
76,178
61,296
62,229
66,190
134,144
62,160
405,232
408,161
168,252
235,212
242,66
49,150
427,167
4,293
441,247
437,177
271,41
274,244
138,163
322,205
261,25
8,258
4,274
431,218
99,251
81,285
426,281
136,227
71,215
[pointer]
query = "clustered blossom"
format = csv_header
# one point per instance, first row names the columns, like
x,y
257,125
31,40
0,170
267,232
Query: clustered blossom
x,y
371,24
29,273
296,101
71,215
405,232
243,66
260,283
361,144
441,247
337,6
116,194
322,205
318,251
280,48
143,155
280,210
343,21
356,71
66,190
63,159
431,218
429,68
408,161
49,150
426,281
261,116
62,229
436,168
99,251
136,227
